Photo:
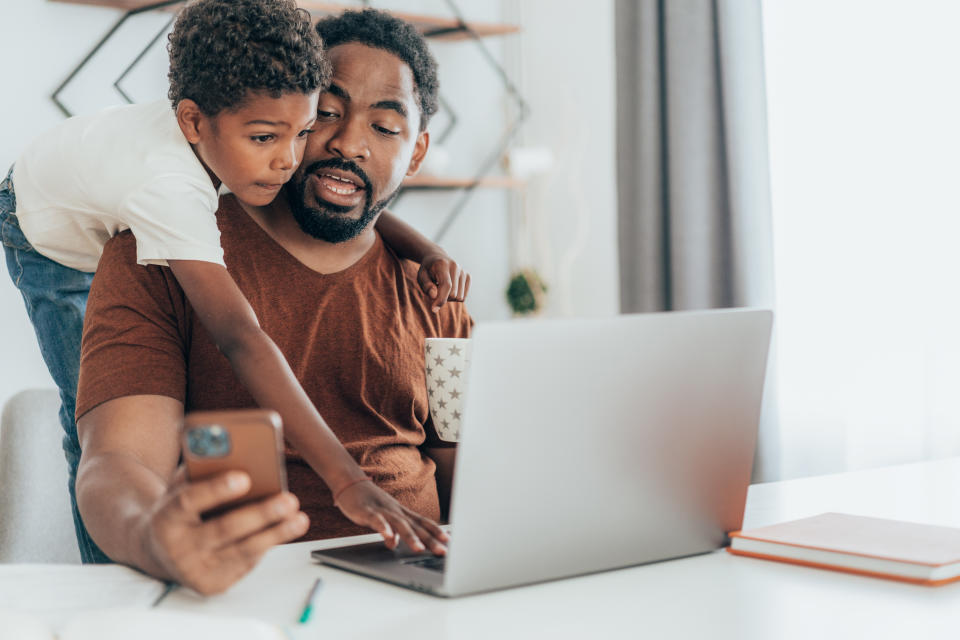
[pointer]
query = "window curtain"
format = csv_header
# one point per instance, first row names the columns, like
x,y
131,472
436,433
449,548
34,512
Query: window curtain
x,y
693,171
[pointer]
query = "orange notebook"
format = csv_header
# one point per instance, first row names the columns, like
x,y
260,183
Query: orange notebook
x,y
918,553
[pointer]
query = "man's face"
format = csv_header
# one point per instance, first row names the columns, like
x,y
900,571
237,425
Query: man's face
x,y
255,148
366,140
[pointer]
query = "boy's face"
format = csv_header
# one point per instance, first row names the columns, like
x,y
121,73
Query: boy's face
x,y
254,149
366,139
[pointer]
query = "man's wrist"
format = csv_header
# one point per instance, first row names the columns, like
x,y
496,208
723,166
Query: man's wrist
x,y
145,556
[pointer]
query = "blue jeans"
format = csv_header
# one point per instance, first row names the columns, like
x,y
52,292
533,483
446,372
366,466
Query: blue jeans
x,y
56,299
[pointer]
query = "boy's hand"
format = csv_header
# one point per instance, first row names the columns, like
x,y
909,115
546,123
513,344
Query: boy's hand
x,y
370,506
442,279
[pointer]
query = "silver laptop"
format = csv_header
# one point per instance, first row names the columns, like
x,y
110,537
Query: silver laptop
x,y
593,444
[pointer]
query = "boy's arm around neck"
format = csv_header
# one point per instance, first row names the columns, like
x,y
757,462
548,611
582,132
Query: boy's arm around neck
x,y
439,276
409,243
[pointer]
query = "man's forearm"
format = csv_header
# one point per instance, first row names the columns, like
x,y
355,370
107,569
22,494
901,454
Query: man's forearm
x,y
140,514
115,495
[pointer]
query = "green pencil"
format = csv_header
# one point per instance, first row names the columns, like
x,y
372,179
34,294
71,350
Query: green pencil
x,y
311,599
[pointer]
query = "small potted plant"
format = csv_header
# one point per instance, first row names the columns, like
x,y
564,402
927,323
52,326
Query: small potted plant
x,y
526,293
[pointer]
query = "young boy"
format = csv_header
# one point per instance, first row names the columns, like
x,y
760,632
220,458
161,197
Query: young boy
x,y
244,77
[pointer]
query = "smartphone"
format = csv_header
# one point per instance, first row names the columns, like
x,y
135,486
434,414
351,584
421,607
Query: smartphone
x,y
249,440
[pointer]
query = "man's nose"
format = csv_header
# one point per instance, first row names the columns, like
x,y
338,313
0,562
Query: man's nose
x,y
350,142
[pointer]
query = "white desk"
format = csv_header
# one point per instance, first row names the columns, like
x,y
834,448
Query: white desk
x,y
715,596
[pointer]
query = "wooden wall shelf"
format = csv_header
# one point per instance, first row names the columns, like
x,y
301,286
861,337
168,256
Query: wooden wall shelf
x,y
443,182
436,27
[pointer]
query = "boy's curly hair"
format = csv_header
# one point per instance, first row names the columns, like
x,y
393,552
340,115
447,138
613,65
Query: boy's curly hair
x,y
220,50
381,30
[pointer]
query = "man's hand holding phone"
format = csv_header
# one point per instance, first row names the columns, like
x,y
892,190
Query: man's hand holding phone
x,y
231,504
227,505
210,554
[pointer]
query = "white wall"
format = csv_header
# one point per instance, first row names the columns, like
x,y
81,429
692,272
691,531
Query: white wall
x,y
863,147
567,73
562,60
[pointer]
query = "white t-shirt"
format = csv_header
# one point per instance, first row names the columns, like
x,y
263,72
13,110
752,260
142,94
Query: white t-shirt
x,y
128,167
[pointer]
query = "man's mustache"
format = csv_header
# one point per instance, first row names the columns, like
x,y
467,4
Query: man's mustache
x,y
343,165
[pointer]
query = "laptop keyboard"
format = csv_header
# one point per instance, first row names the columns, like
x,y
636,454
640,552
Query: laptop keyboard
x,y
434,563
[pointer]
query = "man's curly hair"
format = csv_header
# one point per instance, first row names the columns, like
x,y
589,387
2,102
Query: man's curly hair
x,y
221,50
381,30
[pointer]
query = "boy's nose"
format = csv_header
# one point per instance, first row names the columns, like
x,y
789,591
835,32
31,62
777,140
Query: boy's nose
x,y
285,160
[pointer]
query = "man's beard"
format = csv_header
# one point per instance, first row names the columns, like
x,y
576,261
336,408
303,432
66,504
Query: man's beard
x,y
329,222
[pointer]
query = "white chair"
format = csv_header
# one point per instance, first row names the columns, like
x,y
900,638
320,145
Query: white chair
x,y
36,524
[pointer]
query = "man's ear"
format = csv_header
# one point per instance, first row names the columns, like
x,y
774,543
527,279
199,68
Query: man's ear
x,y
190,119
419,152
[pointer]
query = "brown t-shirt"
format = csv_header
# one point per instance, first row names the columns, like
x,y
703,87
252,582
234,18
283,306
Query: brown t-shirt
x,y
354,339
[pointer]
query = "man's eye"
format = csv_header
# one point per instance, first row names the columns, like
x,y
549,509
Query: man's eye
x,y
326,115
385,131
305,133
267,137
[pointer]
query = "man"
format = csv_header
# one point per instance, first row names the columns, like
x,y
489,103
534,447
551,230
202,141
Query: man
x,y
348,315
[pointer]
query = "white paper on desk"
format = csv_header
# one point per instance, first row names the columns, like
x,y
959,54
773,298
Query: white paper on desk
x,y
136,624
57,592
155,624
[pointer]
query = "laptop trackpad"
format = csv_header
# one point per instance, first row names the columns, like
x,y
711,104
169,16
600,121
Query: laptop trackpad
x,y
422,571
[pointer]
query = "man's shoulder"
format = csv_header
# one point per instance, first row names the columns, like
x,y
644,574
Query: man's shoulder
x,y
119,270
406,269
453,319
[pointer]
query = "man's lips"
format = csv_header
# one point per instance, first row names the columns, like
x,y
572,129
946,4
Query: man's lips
x,y
337,188
345,179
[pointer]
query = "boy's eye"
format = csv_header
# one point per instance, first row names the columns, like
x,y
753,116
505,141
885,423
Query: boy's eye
x,y
267,137
305,133
326,115
385,131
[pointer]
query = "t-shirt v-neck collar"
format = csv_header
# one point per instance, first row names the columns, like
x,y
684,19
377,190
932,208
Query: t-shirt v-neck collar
x,y
235,214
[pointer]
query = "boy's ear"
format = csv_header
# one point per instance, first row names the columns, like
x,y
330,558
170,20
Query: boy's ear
x,y
419,152
189,117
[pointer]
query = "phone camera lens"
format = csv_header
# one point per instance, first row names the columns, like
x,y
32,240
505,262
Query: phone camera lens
x,y
209,441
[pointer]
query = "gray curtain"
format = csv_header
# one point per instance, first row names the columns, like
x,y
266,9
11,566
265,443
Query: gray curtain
x,y
693,176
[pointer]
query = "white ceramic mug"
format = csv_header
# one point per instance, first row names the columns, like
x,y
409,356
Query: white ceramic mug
x,y
446,363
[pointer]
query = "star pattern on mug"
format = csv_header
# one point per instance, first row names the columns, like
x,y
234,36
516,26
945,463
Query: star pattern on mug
x,y
447,369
